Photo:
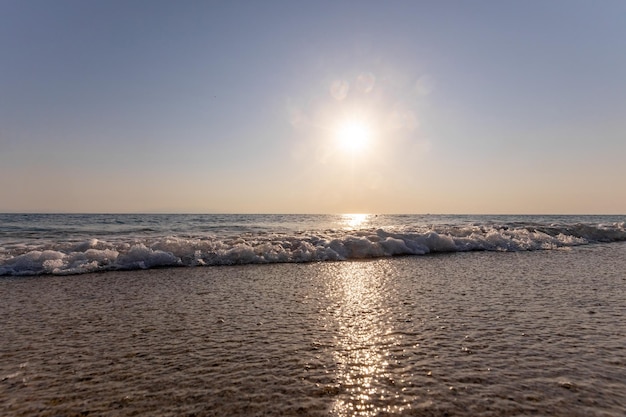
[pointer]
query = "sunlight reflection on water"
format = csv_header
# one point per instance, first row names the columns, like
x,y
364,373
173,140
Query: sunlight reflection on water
x,y
355,220
363,343
470,334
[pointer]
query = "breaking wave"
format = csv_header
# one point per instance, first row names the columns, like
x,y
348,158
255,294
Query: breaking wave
x,y
93,255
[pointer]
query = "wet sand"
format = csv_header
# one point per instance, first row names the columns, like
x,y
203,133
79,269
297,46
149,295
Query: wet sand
x,y
467,334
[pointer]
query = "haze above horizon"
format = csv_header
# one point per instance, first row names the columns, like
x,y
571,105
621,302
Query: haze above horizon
x,y
320,107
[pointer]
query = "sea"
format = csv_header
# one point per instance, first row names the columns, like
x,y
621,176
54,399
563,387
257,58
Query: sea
x,y
312,315
36,244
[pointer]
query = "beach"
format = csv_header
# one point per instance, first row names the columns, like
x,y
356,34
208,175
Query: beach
x,y
341,209
455,334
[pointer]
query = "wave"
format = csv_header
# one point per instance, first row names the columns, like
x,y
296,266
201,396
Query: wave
x,y
143,253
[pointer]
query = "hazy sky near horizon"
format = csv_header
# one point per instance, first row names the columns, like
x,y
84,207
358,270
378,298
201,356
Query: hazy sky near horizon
x,y
235,106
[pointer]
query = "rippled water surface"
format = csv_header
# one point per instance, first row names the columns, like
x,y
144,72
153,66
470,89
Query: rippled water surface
x,y
468,334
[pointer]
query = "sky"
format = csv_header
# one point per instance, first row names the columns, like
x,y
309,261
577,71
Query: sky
x,y
493,107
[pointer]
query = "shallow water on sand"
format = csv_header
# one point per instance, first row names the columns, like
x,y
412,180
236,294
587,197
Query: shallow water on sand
x,y
471,334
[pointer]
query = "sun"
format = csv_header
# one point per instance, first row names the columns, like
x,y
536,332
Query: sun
x,y
353,136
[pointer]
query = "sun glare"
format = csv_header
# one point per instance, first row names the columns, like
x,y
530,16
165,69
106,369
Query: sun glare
x,y
353,136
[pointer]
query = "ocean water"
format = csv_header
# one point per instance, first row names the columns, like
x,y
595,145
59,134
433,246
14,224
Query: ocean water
x,y
312,316
34,244
485,334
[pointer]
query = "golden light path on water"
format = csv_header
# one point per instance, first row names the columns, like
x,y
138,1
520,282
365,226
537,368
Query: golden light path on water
x,y
365,335
355,220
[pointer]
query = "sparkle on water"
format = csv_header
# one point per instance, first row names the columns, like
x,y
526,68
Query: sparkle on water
x,y
355,220
364,341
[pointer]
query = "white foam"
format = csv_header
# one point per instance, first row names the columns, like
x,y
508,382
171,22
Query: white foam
x,y
141,257
143,253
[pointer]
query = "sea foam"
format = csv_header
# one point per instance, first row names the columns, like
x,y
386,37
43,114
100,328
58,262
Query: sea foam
x,y
128,253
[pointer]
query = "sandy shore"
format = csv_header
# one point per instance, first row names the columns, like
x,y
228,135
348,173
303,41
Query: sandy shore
x,y
464,334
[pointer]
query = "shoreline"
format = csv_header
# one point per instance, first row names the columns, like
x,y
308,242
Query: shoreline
x,y
463,334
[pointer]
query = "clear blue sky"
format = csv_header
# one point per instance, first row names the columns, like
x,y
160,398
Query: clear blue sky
x,y
234,106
